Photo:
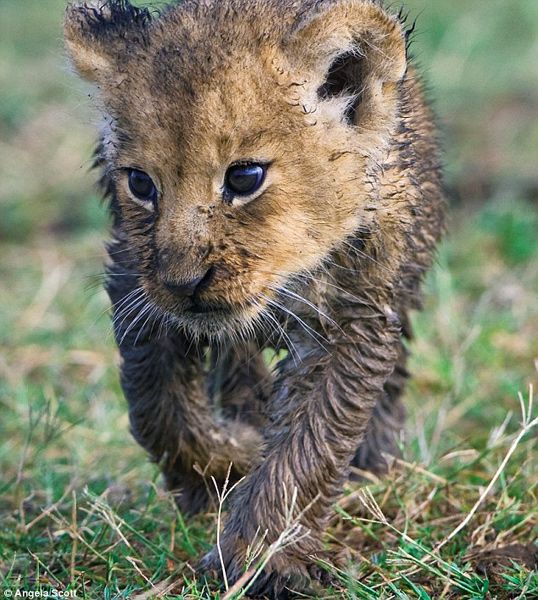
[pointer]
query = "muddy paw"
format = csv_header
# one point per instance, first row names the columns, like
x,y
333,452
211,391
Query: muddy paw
x,y
280,579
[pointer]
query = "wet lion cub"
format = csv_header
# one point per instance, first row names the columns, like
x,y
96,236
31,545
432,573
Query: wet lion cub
x,y
274,183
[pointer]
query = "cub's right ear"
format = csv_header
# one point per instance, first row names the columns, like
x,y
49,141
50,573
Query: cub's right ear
x,y
101,34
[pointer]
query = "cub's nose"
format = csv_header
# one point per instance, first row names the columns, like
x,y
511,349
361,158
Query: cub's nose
x,y
187,289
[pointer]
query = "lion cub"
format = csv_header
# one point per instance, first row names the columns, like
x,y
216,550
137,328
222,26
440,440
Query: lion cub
x,y
274,182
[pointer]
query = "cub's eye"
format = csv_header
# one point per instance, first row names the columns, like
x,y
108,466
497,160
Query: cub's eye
x,y
142,186
244,180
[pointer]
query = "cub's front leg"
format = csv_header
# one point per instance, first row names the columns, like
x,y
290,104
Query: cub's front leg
x,y
164,380
319,413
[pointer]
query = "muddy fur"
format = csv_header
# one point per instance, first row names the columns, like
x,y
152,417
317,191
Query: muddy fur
x,y
325,262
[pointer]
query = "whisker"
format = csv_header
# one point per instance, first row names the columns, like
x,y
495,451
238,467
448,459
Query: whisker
x,y
121,302
293,295
311,332
124,313
152,314
309,275
127,307
283,335
365,255
131,325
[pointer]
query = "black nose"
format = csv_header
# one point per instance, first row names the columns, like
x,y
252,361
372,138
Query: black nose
x,y
187,289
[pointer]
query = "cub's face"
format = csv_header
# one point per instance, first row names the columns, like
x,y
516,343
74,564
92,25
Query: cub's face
x,y
241,152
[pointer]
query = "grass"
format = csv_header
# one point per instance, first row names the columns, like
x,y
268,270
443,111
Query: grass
x,y
82,510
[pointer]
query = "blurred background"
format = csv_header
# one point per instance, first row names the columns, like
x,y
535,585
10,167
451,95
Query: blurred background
x,y
63,418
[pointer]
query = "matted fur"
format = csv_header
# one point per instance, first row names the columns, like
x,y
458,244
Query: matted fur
x,y
325,263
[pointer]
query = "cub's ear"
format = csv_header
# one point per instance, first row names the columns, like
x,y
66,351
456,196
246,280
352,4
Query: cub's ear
x,y
355,54
101,34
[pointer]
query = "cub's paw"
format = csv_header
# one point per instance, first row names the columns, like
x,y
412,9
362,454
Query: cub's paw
x,y
281,578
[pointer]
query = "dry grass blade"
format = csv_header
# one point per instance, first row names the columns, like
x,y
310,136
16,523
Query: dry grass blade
x,y
222,496
526,426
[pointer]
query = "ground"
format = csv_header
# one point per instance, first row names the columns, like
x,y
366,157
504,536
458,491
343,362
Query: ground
x,y
82,511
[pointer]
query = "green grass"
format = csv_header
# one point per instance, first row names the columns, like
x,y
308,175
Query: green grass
x,y
81,508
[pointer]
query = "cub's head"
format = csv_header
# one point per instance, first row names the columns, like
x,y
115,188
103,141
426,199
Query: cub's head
x,y
241,138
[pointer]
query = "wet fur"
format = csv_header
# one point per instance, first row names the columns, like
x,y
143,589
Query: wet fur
x,y
326,264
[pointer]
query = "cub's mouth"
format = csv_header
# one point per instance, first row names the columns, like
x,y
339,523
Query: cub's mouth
x,y
214,319
214,303
210,309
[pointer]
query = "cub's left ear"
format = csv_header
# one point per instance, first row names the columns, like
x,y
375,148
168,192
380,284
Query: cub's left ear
x,y
101,34
354,53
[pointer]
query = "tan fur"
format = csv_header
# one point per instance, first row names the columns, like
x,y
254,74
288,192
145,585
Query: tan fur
x,y
186,143
331,251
